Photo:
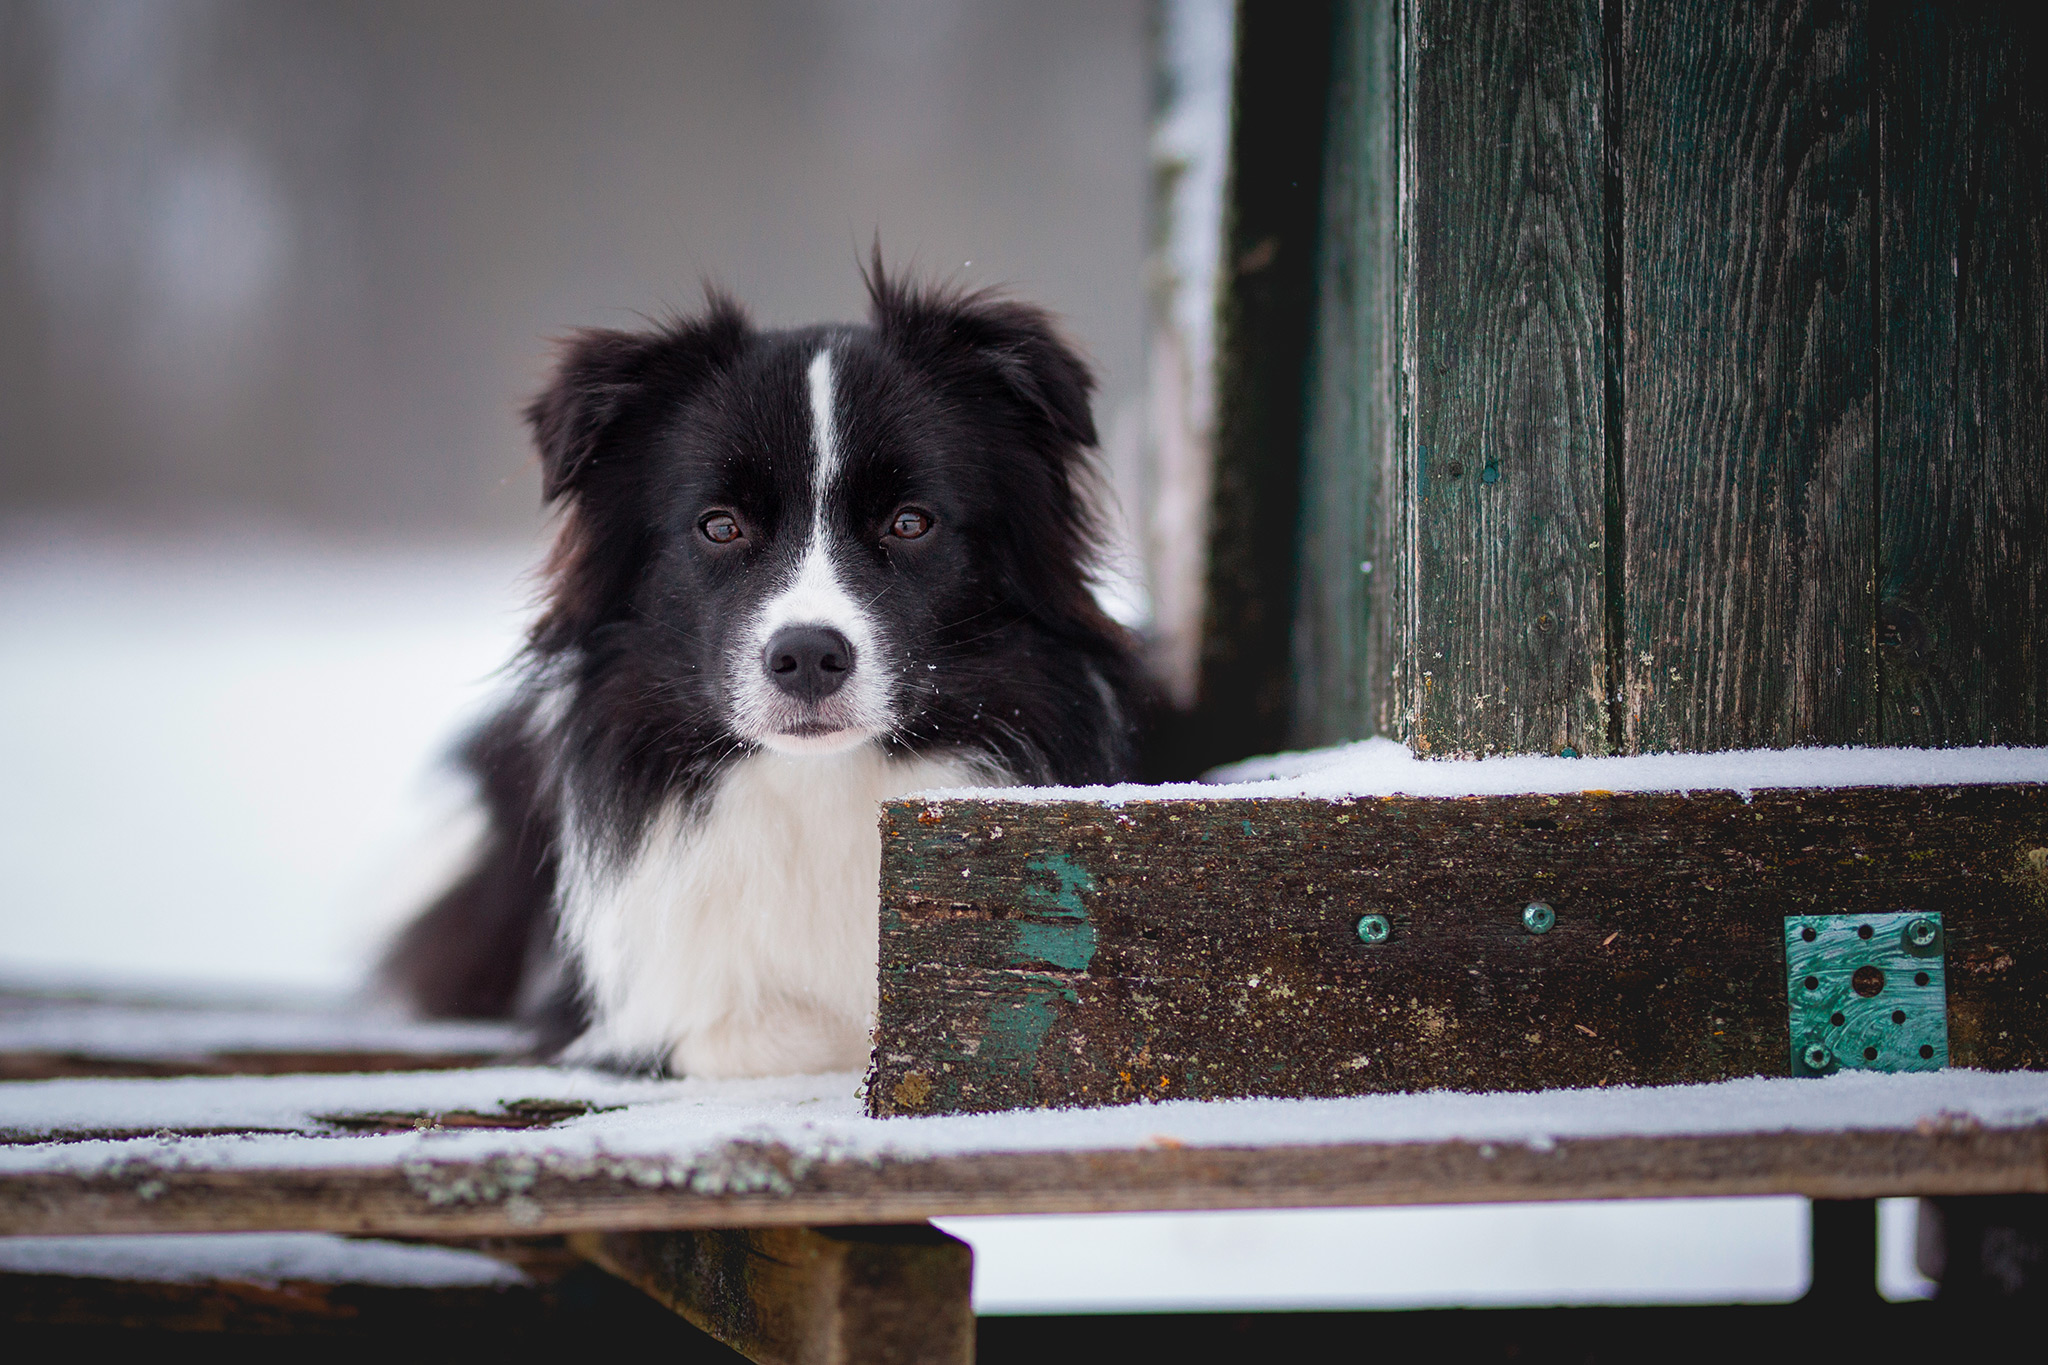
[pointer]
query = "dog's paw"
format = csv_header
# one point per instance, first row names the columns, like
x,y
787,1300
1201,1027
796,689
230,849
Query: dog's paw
x,y
597,1055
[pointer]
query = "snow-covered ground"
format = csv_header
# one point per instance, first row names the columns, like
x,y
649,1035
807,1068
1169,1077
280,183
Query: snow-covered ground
x,y
215,753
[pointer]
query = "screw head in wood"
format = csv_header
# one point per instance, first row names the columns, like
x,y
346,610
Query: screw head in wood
x,y
1537,917
1374,929
1922,933
1817,1057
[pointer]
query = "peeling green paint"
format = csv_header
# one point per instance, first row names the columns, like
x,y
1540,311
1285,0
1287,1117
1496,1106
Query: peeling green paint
x,y
1017,1027
1071,944
1071,878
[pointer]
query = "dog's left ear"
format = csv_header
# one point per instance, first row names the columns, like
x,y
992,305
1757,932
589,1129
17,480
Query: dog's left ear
x,y
976,340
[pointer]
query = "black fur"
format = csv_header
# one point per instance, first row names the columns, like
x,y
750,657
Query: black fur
x,y
968,405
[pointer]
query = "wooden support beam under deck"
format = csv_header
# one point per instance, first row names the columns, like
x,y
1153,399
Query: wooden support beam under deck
x,y
808,1295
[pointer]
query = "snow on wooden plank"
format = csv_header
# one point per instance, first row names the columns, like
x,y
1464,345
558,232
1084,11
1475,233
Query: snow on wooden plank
x,y
800,1150
46,1034
266,1258
1382,767
314,1105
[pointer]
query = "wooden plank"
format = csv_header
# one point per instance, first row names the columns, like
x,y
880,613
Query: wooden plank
x,y
560,1303
1267,283
456,1199
1343,632
45,1035
1744,169
1501,561
1079,953
808,1296
1963,437
263,1308
43,1065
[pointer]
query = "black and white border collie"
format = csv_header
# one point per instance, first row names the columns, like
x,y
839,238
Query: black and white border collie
x,y
797,573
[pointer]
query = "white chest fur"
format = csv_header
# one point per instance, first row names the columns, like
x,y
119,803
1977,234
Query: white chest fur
x,y
741,940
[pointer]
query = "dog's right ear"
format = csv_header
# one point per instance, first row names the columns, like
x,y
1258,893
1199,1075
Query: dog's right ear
x,y
603,380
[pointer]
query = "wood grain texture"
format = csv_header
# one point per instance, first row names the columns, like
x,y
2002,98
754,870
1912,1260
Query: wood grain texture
x,y
1932,1158
1963,447
1501,566
1075,953
1747,315
1343,629
808,1296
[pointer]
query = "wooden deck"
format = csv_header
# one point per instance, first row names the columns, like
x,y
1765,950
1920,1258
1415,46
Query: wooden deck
x,y
527,1151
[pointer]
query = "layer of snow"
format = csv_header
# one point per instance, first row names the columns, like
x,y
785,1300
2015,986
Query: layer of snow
x,y
1381,767
293,1102
258,1257
680,1122
113,1029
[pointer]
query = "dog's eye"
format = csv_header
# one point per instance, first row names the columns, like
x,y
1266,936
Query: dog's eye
x,y
910,523
720,528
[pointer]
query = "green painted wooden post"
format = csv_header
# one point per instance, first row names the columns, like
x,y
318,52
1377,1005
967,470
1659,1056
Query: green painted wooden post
x,y
1456,437
1789,407
1502,484
1343,628
1963,348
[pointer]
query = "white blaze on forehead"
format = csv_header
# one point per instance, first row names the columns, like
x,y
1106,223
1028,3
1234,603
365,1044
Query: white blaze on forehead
x,y
815,595
824,436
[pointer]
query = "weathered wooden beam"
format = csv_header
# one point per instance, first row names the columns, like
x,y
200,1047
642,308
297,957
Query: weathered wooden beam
x,y
1076,952
766,1185
808,1295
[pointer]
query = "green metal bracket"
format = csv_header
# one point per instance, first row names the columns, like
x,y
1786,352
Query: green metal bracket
x,y
1867,992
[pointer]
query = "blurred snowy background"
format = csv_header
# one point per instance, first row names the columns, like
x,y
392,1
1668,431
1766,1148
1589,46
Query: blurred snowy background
x,y
273,283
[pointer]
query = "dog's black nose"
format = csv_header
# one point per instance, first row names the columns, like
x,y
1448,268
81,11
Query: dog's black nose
x,y
810,663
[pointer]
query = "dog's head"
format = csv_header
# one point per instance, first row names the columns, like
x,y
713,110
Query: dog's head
x,y
809,540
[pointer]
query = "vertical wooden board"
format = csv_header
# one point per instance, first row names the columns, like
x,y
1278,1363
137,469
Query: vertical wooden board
x,y
1265,312
1341,637
1745,175
1963,430
1504,641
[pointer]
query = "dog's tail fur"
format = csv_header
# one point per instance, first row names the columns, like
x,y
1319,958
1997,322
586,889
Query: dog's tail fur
x,y
485,949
